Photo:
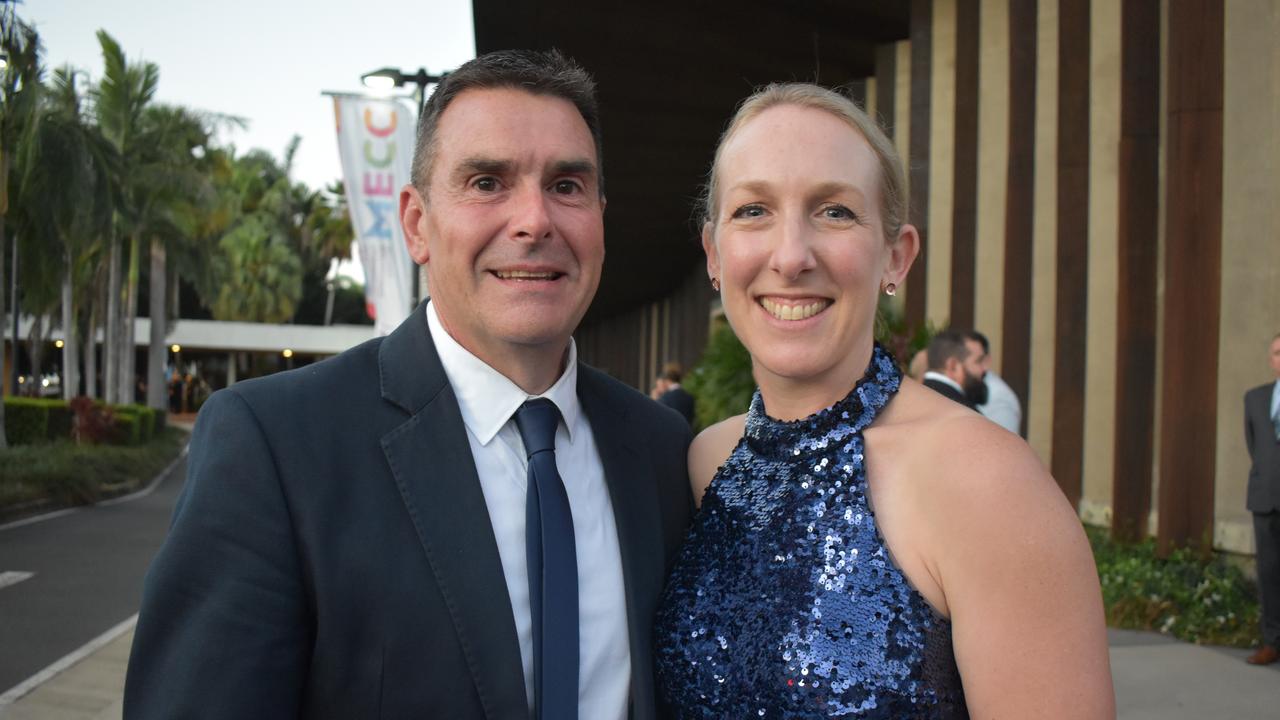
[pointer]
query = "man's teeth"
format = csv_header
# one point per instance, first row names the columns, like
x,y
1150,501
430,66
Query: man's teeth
x,y
524,275
793,312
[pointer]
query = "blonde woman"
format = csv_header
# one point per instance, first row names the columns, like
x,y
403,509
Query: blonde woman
x,y
864,547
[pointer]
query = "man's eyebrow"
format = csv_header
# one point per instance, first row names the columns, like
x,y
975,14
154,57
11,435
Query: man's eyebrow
x,y
573,167
479,164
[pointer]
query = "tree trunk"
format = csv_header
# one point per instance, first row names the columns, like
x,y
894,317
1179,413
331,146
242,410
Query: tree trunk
x,y
35,352
91,346
157,352
111,339
4,287
129,315
70,338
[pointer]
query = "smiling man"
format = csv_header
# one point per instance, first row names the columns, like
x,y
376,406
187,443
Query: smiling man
x,y
458,520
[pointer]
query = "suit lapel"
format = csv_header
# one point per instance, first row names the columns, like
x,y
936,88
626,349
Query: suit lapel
x,y
431,461
629,477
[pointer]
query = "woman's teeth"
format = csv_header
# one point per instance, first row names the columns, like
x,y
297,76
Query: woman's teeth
x,y
793,312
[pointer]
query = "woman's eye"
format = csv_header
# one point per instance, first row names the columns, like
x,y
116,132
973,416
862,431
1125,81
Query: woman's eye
x,y
749,211
838,212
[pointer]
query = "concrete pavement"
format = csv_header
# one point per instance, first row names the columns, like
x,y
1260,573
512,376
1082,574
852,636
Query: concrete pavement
x,y
1155,678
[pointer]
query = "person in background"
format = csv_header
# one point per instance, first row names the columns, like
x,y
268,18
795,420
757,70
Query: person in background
x,y
1262,437
954,370
668,391
919,365
1002,406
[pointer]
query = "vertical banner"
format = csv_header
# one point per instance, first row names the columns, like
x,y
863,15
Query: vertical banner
x,y
375,140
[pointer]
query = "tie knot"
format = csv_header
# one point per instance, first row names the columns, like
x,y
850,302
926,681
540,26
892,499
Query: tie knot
x,y
537,420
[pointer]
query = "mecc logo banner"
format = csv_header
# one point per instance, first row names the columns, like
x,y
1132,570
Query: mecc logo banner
x,y
375,140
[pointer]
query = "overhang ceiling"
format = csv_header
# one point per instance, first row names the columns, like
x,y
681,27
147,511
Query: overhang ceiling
x,y
669,75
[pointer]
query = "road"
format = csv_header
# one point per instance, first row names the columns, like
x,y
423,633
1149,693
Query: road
x,y
67,579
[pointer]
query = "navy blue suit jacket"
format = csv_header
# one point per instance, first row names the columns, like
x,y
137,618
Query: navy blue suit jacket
x,y
331,555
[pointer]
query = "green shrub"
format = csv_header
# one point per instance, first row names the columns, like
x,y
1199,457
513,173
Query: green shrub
x,y
146,419
26,420
65,473
61,419
721,383
1200,600
125,429
161,420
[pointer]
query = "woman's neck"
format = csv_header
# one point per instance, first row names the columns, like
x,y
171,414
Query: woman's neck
x,y
790,398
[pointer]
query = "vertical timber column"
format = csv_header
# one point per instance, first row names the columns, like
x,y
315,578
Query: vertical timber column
x,y
964,208
993,175
1193,274
942,147
918,149
1044,251
1072,246
1138,218
1020,188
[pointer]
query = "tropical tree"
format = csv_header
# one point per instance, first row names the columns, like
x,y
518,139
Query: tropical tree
x,y
120,100
174,193
19,87
66,200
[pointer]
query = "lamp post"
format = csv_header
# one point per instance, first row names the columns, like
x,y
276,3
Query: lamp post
x,y
386,79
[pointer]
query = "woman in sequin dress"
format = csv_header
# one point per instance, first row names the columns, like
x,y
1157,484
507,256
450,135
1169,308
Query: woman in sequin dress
x,y
864,547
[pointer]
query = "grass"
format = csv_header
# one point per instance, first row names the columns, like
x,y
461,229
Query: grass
x,y
1203,600
62,473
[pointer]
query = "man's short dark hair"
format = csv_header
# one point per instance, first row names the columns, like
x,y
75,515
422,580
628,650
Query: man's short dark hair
x,y
945,345
979,338
672,372
548,73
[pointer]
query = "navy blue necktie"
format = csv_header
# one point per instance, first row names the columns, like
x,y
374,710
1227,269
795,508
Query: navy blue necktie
x,y
553,567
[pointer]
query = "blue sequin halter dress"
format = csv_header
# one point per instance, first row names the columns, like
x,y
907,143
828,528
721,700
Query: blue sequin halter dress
x,y
783,602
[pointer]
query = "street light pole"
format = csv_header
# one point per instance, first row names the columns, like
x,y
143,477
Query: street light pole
x,y
387,78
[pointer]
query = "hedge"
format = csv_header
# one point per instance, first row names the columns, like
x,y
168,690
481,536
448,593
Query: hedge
x,y
26,421
30,421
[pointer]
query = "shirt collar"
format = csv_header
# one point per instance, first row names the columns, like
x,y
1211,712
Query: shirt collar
x,y
1275,398
934,375
486,397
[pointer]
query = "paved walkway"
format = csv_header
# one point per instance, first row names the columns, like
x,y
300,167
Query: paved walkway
x,y
1155,677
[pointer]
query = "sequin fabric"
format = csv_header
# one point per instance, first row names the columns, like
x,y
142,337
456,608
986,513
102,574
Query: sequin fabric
x,y
783,603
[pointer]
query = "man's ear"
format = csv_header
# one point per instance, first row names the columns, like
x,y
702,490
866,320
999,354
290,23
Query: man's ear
x,y
413,215
953,369
902,253
713,255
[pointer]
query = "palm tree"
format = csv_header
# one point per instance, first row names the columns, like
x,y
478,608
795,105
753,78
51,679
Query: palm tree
x,y
119,101
19,87
174,192
66,167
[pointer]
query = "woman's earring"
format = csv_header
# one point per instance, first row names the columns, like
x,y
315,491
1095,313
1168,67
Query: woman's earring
x,y
890,289
715,284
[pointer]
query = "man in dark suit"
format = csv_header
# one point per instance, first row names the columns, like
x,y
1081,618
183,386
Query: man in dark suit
x,y
457,520
1262,436
954,371
668,391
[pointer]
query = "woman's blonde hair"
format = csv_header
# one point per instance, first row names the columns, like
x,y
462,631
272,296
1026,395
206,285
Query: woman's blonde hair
x,y
893,180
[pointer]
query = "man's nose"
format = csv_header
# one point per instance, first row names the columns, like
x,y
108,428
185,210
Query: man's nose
x,y
530,219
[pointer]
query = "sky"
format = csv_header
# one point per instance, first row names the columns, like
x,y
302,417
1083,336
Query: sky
x,y
266,61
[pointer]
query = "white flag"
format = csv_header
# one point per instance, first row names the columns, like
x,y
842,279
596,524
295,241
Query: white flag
x,y
375,140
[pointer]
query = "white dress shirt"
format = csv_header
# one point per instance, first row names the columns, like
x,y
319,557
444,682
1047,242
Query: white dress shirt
x,y
1002,406
935,375
488,401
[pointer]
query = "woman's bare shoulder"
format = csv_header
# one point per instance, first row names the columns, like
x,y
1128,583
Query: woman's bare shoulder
x,y
709,451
